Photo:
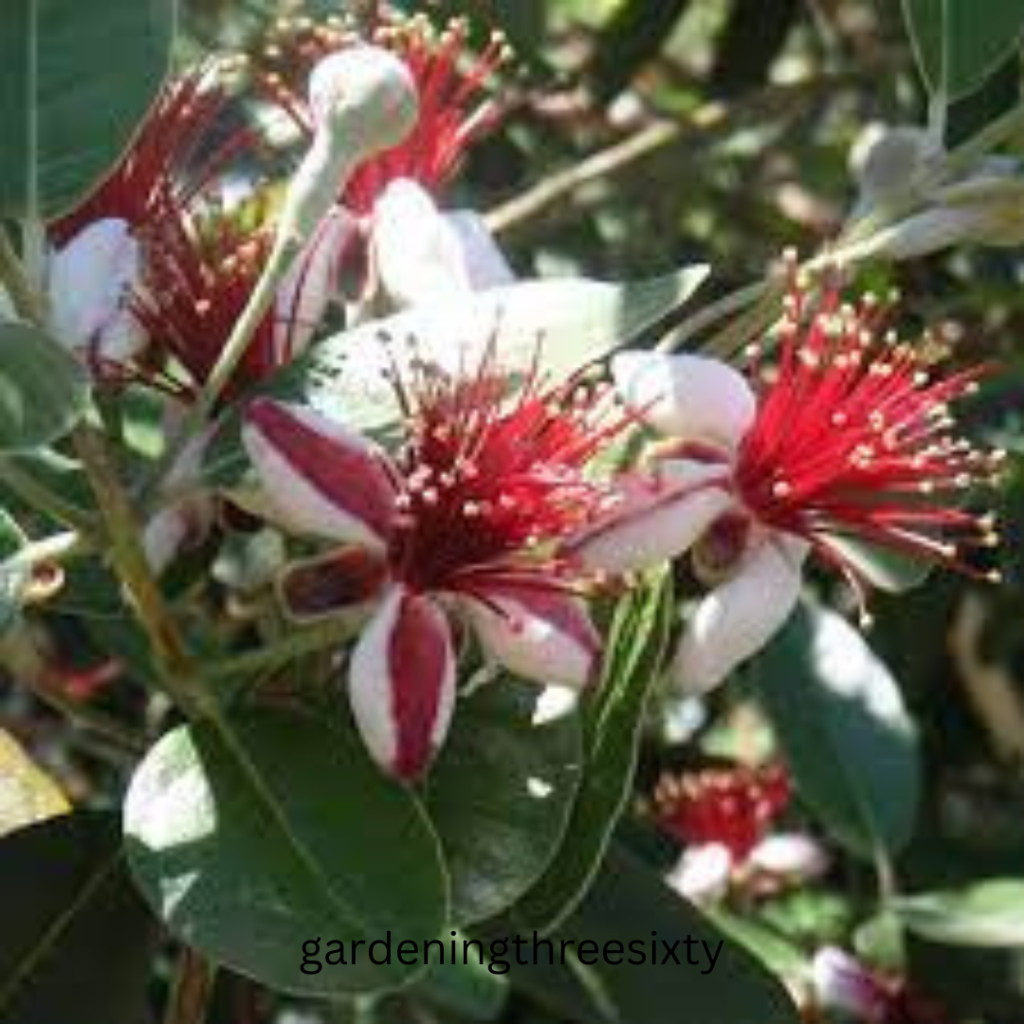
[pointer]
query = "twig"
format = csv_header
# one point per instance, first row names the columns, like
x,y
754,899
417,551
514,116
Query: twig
x,y
702,125
193,985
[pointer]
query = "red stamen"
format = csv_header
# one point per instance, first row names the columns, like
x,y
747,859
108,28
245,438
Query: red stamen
x,y
731,806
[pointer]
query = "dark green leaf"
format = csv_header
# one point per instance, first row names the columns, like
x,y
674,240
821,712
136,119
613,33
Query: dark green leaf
x,y
958,43
840,720
470,989
628,902
42,388
68,109
251,841
75,938
614,717
13,575
500,796
989,913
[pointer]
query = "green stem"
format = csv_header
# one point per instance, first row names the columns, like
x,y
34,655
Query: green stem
x,y
173,662
27,304
193,986
310,640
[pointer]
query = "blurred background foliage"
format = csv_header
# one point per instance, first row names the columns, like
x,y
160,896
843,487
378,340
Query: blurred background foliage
x,y
644,134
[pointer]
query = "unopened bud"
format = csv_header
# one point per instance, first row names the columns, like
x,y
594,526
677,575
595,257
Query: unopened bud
x,y
363,101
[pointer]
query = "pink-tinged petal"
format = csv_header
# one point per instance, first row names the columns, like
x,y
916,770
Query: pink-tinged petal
x,y
841,982
416,255
537,634
310,284
702,873
343,580
318,477
791,854
736,619
689,397
402,682
485,263
91,281
174,529
651,527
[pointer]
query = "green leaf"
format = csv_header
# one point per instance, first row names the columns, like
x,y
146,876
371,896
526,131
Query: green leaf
x,y
76,941
614,718
75,79
42,388
629,902
469,990
569,322
959,43
500,795
842,726
989,914
13,575
251,841
27,793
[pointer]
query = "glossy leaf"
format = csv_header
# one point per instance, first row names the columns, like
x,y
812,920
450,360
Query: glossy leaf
x,y
614,717
42,388
840,720
69,109
565,323
500,795
27,793
629,902
249,842
13,576
958,43
989,913
76,940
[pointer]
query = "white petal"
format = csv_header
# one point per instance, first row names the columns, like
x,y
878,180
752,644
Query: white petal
x,y
402,682
841,982
416,254
703,873
91,282
310,284
175,528
537,635
737,618
485,263
792,854
689,397
647,532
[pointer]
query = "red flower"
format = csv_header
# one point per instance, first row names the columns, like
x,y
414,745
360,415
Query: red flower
x,y
490,478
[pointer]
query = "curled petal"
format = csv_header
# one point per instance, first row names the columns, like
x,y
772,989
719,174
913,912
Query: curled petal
x,y
653,526
342,580
689,397
537,634
402,682
310,284
91,282
318,477
737,618
703,872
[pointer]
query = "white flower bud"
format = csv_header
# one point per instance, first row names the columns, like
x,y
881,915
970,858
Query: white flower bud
x,y
703,872
841,982
363,101
790,854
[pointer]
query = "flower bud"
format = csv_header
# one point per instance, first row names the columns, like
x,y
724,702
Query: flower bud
x,y
841,982
363,101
